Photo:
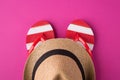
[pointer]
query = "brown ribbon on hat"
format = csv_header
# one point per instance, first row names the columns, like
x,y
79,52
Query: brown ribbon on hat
x,y
58,52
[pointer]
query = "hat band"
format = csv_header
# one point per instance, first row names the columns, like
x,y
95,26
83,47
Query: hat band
x,y
58,52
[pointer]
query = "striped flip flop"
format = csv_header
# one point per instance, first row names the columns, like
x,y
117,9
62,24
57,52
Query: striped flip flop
x,y
38,33
81,32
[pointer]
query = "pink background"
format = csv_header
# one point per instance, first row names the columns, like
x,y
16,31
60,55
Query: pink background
x,y
16,17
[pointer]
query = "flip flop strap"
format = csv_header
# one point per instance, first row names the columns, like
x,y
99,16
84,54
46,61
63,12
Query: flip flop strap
x,y
78,38
41,38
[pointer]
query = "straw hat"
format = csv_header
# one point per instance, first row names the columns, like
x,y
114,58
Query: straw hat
x,y
59,59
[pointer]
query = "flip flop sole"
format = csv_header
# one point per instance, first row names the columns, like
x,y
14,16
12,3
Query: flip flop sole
x,y
37,30
83,29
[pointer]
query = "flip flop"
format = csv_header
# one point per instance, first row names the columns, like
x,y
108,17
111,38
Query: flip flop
x,y
38,33
81,32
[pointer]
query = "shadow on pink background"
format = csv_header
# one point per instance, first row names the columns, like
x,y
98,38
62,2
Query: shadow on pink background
x,y
16,17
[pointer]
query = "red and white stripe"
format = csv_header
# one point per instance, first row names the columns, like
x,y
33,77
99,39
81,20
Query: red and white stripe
x,y
36,31
84,30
